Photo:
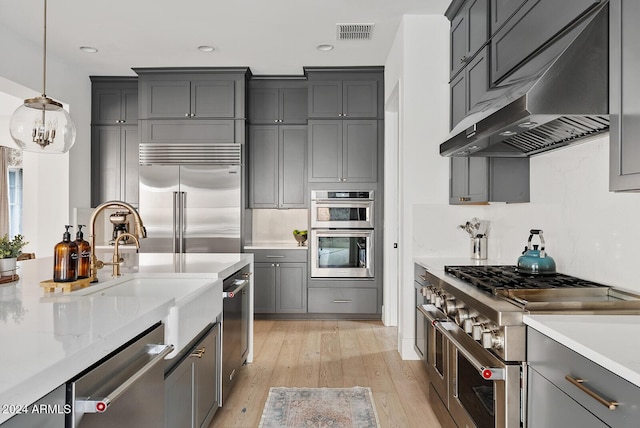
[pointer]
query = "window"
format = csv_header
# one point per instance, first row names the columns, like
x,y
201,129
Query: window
x,y
15,192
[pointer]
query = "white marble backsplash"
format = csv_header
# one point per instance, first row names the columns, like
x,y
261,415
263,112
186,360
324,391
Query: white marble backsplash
x,y
276,226
589,231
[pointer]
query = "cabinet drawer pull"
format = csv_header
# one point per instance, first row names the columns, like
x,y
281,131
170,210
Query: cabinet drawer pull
x,y
198,353
341,301
611,405
464,199
275,257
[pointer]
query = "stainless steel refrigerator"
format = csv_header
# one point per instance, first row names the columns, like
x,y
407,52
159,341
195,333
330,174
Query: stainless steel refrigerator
x,y
190,198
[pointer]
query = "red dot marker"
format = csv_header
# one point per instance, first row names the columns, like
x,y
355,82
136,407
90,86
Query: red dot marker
x,y
101,406
486,373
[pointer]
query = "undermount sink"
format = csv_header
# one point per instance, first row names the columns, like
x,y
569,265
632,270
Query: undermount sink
x,y
197,300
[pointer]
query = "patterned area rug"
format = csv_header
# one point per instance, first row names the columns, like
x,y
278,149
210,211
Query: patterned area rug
x,y
319,408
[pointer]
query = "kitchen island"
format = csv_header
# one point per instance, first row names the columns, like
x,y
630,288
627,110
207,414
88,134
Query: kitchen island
x,y
48,338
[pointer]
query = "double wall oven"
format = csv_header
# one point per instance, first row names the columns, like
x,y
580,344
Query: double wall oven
x,y
342,234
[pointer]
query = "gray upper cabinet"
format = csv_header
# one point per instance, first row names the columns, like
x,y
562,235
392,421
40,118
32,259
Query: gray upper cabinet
x,y
269,105
469,32
114,101
534,24
343,100
215,93
468,87
501,11
114,139
277,166
478,180
179,131
624,169
341,151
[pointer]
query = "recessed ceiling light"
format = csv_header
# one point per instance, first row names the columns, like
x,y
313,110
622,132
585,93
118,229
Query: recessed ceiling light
x,y
324,47
88,49
206,48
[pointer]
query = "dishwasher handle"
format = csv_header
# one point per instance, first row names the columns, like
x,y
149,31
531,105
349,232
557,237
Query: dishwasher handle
x,y
239,285
100,405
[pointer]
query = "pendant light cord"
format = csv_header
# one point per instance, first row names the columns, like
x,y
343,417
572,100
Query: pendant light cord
x,y
44,53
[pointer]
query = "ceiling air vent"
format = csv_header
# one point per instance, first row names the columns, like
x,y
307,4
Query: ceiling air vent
x,y
354,31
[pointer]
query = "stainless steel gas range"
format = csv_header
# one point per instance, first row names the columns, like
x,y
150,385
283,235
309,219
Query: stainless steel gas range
x,y
474,338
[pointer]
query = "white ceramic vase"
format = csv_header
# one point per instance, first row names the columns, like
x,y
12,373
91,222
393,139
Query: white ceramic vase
x,y
8,266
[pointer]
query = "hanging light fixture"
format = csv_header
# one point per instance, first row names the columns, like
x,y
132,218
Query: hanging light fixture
x,y
41,124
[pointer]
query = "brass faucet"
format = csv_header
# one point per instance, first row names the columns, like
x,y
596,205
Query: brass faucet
x,y
139,233
116,260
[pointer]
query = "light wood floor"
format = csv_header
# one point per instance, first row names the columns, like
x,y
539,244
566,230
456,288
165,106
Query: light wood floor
x,y
333,353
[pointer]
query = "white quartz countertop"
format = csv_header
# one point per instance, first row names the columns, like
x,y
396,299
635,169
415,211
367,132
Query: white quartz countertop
x,y
607,340
437,264
48,338
275,246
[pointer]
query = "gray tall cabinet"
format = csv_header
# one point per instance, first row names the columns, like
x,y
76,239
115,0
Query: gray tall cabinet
x,y
114,139
277,143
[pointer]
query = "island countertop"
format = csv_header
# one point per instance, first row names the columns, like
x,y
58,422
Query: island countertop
x,y
48,338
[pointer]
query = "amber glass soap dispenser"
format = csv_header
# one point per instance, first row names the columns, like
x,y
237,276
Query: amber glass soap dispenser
x,y
84,254
65,259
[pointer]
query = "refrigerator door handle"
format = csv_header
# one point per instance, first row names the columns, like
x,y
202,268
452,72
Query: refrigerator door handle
x,y
183,221
175,221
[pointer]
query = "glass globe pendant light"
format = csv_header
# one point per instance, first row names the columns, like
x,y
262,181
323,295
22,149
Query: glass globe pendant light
x,y
41,124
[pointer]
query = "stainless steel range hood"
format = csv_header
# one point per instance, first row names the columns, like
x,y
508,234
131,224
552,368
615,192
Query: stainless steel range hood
x,y
559,96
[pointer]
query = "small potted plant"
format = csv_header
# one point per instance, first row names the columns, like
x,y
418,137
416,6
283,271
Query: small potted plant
x,y
10,249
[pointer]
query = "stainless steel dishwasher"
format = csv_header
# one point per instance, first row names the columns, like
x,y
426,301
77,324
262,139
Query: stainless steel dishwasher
x,y
235,327
126,389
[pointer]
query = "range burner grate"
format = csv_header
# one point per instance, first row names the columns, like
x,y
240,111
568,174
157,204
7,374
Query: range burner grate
x,y
494,278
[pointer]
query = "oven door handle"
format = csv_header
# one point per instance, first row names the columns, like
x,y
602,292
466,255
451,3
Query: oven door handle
x,y
485,370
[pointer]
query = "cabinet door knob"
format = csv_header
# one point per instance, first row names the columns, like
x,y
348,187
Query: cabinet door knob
x,y
463,60
187,115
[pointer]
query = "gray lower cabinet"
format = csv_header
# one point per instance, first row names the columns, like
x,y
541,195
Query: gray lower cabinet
x,y
555,401
280,288
535,23
114,164
624,96
550,407
343,151
343,300
478,180
269,105
280,281
192,385
277,166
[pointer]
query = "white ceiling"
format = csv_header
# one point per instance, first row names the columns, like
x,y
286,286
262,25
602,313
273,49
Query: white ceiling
x,y
271,37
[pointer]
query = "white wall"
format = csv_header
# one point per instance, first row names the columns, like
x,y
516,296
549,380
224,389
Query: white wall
x,y
418,61
53,183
